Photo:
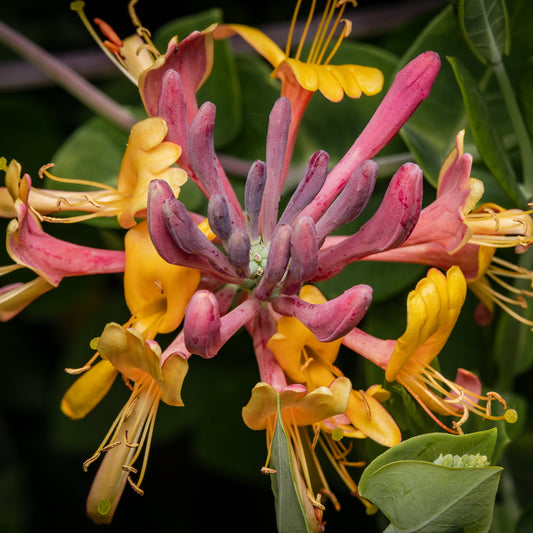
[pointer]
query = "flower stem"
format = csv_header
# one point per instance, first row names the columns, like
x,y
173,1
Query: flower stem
x,y
67,78
519,126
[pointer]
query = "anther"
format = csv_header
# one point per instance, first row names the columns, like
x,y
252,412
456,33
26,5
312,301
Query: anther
x,y
44,168
128,443
91,460
129,468
367,407
266,470
136,488
110,446
131,407
76,371
109,32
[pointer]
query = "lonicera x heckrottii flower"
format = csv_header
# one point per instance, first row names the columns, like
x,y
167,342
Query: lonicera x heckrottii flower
x,y
167,82
147,157
432,311
52,259
268,258
304,413
452,231
300,78
156,294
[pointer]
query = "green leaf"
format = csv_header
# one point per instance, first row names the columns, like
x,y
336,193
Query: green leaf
x,y
420,496
487,139
485,27
290,515
93,152
429,446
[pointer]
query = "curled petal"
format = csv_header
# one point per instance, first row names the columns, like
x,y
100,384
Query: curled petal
x,y
432,311
306,407
192,58
130,354
330,320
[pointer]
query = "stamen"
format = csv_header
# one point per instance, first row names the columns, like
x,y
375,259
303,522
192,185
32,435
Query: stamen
x,y
109,32
84,368
135,487
78,6
142,32
367,407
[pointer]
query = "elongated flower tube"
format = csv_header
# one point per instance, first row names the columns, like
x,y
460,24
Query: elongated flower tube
x,y
147,157
157,294
300,78
271,254
307,360
140,61
432,311
303,414
452,231
50,258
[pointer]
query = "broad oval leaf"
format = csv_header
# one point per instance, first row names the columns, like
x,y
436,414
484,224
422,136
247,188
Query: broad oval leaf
x,y
485,27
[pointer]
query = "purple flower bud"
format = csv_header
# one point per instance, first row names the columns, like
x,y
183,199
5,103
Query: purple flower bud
x,y
276,143
218,216
350,202
331,320
311,183
239,250
390,226
253,197
200,148
205,331
173,110
304,256
276,264
191,240
159,192
201,325
410,87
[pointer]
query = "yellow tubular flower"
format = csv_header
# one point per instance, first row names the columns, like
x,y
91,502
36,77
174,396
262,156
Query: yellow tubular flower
x,y
147,157
157,294
432,311
302,415
316,72
307,360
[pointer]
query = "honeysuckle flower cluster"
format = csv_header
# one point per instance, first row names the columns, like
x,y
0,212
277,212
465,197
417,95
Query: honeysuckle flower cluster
x,y
203,277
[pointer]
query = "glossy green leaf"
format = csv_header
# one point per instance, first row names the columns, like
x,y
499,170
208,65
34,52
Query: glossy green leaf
x,y
290,515
488,140
418,495
485,27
